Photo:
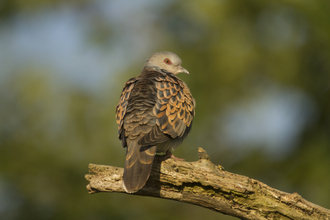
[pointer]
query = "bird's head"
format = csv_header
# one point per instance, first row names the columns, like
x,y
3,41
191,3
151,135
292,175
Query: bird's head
x,y
167,61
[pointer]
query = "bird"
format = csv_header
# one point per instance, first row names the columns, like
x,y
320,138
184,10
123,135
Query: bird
x,y
154,114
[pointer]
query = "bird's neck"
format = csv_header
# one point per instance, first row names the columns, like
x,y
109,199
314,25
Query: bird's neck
x,y
154,69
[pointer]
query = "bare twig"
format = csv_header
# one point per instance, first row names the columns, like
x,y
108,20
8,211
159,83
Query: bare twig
x,y
208,185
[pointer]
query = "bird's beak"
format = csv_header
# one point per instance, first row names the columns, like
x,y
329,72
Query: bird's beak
x,y
183,70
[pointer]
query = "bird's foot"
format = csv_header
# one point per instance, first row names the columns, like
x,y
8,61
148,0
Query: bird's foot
x,y
170,155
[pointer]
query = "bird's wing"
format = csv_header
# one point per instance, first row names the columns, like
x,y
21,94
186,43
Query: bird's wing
x,y
135,119
174,110
122,107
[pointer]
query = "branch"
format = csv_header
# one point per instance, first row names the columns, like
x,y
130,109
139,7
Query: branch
x,y
205,184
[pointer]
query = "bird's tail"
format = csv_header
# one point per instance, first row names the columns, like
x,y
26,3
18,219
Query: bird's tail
x,y
138,165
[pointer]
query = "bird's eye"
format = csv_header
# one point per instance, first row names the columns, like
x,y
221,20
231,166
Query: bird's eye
x,y
167,61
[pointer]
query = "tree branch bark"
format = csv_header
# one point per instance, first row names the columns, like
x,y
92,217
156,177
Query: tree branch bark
x,y
205,184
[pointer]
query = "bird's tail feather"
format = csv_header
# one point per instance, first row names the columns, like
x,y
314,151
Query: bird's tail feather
x,y
138,166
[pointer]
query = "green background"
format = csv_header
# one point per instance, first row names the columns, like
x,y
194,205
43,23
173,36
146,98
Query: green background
x,y
259,71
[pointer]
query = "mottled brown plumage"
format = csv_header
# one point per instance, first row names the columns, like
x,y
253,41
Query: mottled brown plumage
x,y
154,114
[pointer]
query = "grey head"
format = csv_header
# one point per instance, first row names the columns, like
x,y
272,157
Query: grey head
x,y
167,61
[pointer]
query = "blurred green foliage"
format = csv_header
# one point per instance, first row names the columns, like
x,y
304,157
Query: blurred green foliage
x,y
50,129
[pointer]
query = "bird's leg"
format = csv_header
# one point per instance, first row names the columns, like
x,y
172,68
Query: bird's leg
x,y
170,155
